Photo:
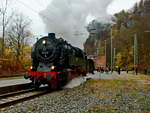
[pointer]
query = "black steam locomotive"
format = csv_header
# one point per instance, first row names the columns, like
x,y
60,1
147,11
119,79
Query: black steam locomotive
x,y
55,62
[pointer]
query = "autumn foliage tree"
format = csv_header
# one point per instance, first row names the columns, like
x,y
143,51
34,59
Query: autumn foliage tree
x,y
128,23
17,48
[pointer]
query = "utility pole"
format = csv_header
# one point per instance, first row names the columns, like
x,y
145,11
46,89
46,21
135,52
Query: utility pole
x,y
105,53
4,24
114,57
3,33
111,50
97,51
135,53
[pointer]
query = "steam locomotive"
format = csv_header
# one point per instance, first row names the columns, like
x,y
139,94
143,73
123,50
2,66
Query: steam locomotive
x,y
55,62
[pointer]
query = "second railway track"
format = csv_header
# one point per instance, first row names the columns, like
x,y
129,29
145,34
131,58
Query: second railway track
x,y
20,96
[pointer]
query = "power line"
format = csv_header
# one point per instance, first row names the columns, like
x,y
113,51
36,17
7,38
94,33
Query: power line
x,y
33,10
38,3
28,6
45,17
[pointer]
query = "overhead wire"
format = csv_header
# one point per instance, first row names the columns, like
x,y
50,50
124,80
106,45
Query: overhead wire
x,y
45,17
38,2
33,10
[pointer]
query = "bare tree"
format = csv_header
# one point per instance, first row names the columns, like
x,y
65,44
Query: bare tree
x,y
18,34
4,23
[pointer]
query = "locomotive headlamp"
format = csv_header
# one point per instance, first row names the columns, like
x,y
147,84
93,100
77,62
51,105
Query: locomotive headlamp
x,y
31,67
52,67
43,42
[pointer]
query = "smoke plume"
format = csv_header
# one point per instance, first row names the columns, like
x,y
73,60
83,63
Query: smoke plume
x,y
68,18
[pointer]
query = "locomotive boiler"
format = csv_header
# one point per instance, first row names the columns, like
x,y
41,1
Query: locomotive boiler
x,y
55,62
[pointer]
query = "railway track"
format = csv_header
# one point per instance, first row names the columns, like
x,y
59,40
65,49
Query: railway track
x,y
20,96
14,88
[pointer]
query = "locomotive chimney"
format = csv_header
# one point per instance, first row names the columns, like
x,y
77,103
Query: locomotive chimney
x,y
51,35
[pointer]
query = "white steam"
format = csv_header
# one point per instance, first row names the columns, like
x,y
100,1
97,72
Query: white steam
x,y
68,18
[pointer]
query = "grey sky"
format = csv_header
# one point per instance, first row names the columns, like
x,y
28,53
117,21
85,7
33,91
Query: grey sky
x,y
54,12
118,5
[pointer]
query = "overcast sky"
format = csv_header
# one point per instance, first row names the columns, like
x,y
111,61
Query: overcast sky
x,y
54,12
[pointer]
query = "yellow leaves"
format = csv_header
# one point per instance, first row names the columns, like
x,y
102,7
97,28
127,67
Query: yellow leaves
x,y
14,62
119,59
124,58
131,51
7,52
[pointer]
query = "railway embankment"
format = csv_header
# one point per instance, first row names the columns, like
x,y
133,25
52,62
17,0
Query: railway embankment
x,y
120,94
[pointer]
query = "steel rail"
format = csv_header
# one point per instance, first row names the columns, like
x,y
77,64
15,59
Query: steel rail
x,y
26,96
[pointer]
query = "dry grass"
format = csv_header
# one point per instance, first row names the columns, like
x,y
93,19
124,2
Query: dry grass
x,y
118,89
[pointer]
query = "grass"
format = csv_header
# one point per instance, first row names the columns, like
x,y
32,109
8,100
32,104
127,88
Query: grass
x,y
111,84
144,77
118,90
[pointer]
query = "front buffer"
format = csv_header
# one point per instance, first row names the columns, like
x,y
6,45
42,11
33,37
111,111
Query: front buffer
x,y
39,78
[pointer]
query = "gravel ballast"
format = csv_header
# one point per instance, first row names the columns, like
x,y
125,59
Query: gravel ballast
x,y
93,96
